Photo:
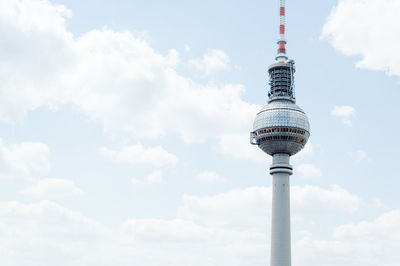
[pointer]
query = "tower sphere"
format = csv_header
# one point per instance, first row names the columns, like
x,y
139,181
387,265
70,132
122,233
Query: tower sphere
x,y
281,127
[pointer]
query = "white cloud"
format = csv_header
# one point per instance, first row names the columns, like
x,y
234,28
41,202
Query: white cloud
x,y
173,58
34,52
230,225
344,112
53,188
307,151
154,178
138,154
115,78
234,209
45,233
213,61
23,160
187,48
238,146
371,243
385,226
211,177
167,231
315,200
359,155
238,208
309,170
368,28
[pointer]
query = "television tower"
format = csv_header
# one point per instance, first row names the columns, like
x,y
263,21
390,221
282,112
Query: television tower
x,y
281,129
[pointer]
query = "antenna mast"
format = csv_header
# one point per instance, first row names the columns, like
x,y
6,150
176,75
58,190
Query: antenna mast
x,y
282,57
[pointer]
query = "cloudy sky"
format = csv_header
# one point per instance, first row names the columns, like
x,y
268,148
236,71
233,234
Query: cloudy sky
x,y
125,127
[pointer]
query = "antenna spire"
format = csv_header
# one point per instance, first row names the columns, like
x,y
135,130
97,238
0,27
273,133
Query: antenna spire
x,y
282,57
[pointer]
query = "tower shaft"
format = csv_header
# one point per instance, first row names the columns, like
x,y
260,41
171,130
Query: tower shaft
x,y
280,234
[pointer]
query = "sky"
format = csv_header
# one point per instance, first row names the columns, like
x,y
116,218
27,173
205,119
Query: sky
x,y
124,132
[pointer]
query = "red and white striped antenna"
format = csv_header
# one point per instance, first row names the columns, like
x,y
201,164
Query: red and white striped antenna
x,y
282,57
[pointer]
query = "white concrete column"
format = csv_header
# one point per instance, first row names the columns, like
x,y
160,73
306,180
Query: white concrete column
x,y
280,235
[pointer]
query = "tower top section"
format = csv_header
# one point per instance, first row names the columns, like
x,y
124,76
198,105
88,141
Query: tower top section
x,y
281,74
282,57
281,127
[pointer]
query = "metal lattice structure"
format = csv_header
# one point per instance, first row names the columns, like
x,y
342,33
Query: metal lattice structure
x,y
281,80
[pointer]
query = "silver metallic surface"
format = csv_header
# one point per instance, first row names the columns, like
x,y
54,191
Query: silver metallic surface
x,y
280,223
282,114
